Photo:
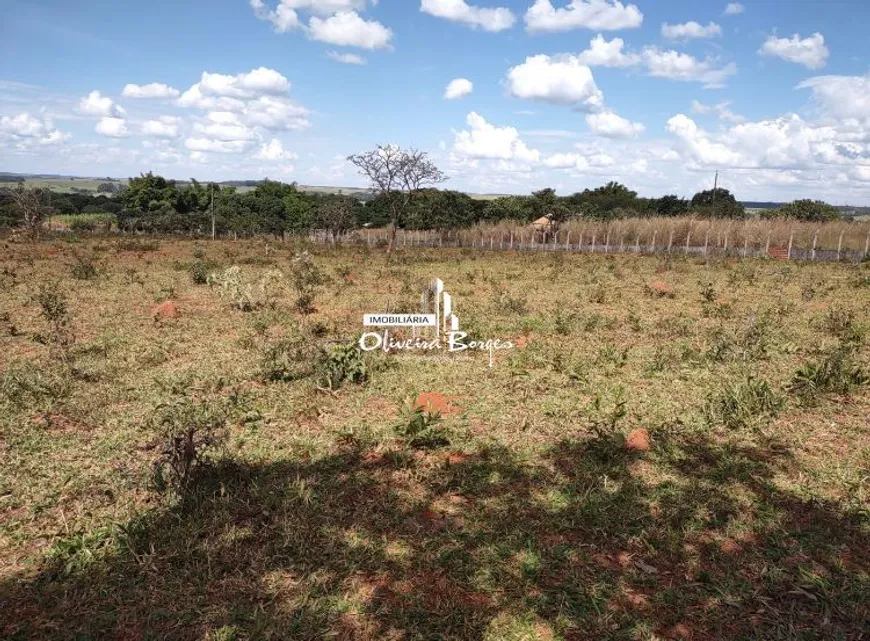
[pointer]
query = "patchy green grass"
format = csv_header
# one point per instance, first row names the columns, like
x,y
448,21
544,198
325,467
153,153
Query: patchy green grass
x,y
325,506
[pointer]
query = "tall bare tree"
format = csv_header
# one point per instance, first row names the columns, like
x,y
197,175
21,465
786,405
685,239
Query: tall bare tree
x,y
33,212
397,174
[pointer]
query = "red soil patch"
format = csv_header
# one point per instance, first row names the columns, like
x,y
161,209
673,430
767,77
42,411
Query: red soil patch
x,y
166,310
456,459
522,341
435,402
638,441
661,288
679,631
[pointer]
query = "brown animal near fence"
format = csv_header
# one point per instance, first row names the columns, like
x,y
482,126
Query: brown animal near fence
x,y
782,240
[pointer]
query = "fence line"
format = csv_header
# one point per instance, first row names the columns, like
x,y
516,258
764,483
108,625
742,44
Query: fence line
x,y
555,242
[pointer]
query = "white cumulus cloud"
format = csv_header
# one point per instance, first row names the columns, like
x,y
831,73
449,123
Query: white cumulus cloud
x,y
601,15
610,125
810,52
841,97
458,88
96,104
733,9
274,150
26,128
483,140
690,30
489,19
154,90
561,80
348,29
604,53
163,127
112,127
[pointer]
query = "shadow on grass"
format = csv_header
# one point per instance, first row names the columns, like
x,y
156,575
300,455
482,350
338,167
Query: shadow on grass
x,y
588,543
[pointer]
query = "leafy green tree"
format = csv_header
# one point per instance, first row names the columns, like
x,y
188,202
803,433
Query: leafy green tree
x,y
671,205
717,203
335,213
149,193
509,208
808,210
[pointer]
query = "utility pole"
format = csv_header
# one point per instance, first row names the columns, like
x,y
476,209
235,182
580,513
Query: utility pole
x,y
715,186
212,212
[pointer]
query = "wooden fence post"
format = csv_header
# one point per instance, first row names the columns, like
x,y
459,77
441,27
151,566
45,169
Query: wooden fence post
x,y
726,243
607,242
706,242
688,240
637,244
790,240
652,247
867,245
594,238
815,241
745,245
840,245
490,241
512,239
568,241
767,246
670,240
580,242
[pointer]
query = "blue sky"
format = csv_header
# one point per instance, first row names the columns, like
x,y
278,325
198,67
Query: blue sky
x,y
563,93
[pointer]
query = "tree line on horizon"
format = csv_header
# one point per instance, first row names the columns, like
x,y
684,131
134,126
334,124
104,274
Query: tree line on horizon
x,y
153,204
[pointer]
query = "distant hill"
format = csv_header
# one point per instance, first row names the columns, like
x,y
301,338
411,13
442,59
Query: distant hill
x,y
61,183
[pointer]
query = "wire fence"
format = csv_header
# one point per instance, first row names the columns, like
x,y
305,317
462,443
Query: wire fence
x,y
712,242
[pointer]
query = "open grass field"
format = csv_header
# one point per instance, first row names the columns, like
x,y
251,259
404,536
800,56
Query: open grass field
x,y
673,449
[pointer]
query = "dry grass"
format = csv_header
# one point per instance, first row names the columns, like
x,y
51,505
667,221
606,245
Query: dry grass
x,y
535,522
646,232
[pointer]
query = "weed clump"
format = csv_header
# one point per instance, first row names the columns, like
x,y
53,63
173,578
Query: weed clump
x,y
835,373
419,427
751,403
84,268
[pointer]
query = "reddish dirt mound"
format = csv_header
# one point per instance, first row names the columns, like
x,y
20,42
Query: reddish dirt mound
x,y
638,441
435,402
522,341
166,310
661,288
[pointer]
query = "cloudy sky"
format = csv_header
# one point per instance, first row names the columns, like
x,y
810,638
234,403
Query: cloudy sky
x,y
506,95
